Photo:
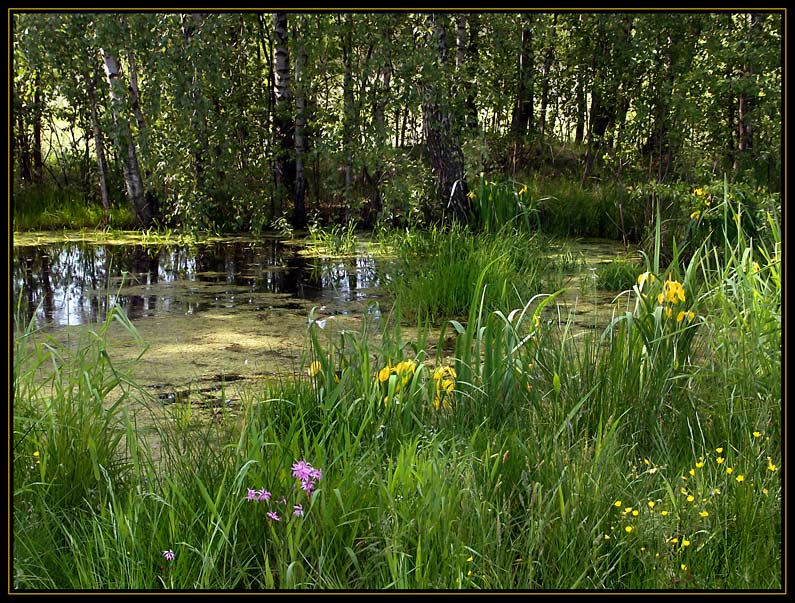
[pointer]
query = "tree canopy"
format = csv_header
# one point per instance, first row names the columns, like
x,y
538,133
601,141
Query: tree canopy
x,y
235,119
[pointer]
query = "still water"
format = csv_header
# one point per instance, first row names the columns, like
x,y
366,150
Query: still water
x,y
228,311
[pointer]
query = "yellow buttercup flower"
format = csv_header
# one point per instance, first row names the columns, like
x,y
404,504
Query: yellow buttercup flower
x,y
695,214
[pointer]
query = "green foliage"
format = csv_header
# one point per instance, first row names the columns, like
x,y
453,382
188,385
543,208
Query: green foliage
x,y
617,275
661,85
45,208
436,271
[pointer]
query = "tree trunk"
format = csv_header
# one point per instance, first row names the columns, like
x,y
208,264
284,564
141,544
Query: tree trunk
x,y
347,112
549,55
284,161
579,128
522,118
102,168
198,117
38,164
22,149
299,208
745,103
447,158
132,173
134,94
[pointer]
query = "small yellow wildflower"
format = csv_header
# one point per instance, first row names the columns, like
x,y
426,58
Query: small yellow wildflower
x,y
683,567
471,194
627,510
699,465
642,278
314,368
692,472
617,503
675,540
628,529
683,490
383,374
770,465
764,491
695,214
757,434
673,292
740,479
607,537
704,514
719,450
635,513
523,190
685,542
470,559
729,470
664,513
651,504
698,192
469,574
720,460
691,498
642,549
36,457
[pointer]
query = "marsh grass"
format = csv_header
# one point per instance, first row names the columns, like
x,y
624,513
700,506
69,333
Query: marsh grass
x,y
644,456
435,272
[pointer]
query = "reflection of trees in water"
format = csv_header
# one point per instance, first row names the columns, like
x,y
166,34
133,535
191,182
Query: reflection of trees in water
x,y
145,267
74,283
301,279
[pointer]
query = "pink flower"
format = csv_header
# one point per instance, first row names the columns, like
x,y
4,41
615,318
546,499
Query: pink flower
x,y
273,515
298,510
263,495
302,470
168,555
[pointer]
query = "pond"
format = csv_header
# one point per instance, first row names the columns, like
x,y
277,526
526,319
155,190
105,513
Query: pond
x,y
229,311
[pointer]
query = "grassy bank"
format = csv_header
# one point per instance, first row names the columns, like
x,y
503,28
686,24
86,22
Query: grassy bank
x,y
524,456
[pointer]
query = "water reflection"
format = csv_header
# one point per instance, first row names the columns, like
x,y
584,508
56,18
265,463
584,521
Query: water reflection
x,y
76,282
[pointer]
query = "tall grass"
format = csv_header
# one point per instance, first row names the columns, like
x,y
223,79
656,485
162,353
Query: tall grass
x,y
435,273
48,208
536,457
